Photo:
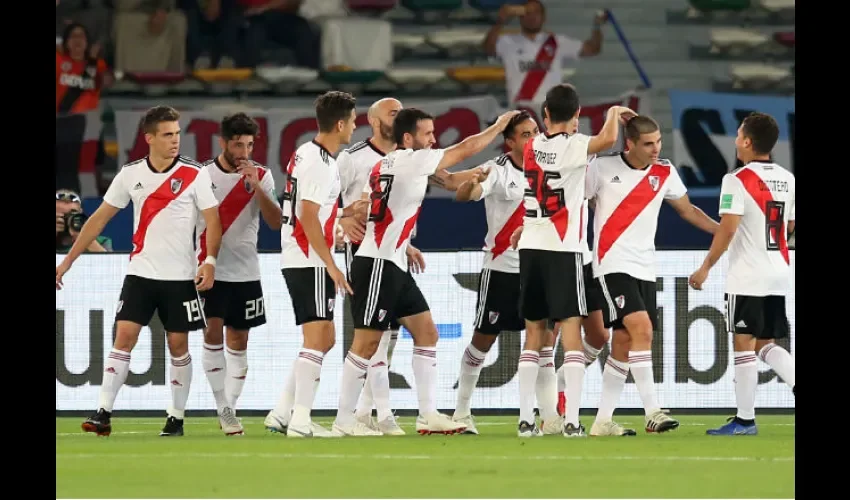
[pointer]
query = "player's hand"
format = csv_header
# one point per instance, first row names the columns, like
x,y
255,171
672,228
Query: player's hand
x,y
515,237
504,118
482,175
339,280
353,228
698,278
205,278
249,171
61,269
601,17
415,260
625,114
507,11
359,210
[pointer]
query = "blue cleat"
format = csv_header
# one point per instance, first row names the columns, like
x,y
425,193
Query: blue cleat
x,y
734,428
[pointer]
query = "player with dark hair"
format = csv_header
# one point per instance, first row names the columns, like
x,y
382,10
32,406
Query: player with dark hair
x,y
627,191
757,213
310,209
244,189
550,247
383,287
168,192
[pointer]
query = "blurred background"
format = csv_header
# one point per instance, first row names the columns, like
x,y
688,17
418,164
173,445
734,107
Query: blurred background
x,y
696,66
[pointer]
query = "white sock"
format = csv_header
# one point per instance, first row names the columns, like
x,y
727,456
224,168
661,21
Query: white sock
x,y
353,377
215,367
574,369
562,381
391,346
237,370
781,361
377,364
640,363
613,381
283,409
308,369
746,381
425,378
471,364
527,369
546,385
181,382
115,372
590,352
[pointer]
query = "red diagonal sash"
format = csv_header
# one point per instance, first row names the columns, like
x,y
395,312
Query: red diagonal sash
x,y
181,179
534,76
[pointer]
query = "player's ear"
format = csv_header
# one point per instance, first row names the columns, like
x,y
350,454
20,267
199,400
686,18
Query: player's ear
x,y
578,113
148,138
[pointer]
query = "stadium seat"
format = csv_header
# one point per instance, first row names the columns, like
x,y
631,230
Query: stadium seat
x,y
785,38
735,40
287,74
370,7
223,75
412,77
492,5
431,5
157,78
340,75
757,76
477,74
457,39
708,6
407,41
777,6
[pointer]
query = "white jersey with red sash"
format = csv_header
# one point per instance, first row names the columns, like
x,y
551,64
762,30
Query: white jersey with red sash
x,y
534,65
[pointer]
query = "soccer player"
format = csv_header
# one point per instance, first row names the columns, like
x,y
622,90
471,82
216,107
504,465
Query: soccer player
x,y
551,265
757,212
627,190
244,190
383,287
501,186
310,208
168,191
355,164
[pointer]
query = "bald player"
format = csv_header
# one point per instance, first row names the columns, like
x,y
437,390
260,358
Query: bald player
x,y
355,164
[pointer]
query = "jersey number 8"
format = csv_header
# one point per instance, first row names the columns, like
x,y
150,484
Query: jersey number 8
x,y
774,214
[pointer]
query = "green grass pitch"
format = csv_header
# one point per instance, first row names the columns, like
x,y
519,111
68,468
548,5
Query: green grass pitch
x,y
135,463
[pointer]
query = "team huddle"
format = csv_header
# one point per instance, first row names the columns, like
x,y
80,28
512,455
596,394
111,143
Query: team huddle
x,y
195,262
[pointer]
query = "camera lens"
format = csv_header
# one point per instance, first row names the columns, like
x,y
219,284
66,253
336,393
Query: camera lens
x,y
76,221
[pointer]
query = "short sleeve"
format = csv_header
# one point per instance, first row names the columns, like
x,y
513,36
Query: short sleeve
x,y
591,180
422,162
570,48
267,185
675,187
792,202
731,196
118,195
503,45
204,196
576,151
314,182
491,183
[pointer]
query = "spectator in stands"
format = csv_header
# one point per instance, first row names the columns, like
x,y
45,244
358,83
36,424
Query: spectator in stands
x,y
80,76
69,219
150,36
533,60
279,22
93,14
213,33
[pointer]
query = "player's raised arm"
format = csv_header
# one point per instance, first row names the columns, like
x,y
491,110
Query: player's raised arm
x,y
451,181
265,192
477,187
474,144
607,137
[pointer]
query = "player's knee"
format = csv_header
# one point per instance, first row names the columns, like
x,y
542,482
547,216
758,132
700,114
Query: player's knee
x,y
237,339
621,344
482,342
640,327
126,335
214,332
178,344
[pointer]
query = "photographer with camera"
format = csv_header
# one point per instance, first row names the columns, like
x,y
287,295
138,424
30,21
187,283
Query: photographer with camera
x,y
70,219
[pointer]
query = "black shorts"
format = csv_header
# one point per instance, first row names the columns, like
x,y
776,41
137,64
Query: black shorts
x,y
498,303
592,292
350,252
762,317
382,292
239,304
624,295
313,293
176,302
551,285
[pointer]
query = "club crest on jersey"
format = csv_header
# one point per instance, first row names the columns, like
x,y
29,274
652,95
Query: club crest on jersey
x,y
621,301
176,184
382,314
494,317
248,187
654,182
330,305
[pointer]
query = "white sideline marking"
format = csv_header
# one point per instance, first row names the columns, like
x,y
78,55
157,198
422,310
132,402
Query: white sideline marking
x,y
340,456
132,422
